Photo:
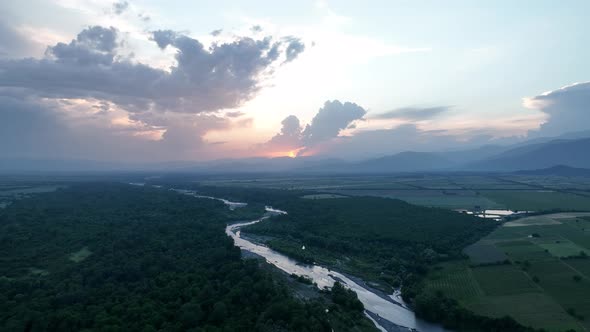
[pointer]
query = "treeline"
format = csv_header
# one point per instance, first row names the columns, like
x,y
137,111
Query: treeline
x,y
152,260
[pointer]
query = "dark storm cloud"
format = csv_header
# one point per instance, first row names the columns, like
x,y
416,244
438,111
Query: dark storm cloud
x,y
93,46
164,37
568,109
222,76
120,7
412,113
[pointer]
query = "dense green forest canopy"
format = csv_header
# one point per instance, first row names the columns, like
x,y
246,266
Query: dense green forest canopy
x,y
113,257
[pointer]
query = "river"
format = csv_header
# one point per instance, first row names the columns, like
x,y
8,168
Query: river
x,y
378,306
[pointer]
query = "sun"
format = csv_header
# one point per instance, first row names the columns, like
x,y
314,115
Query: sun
x,y
292,154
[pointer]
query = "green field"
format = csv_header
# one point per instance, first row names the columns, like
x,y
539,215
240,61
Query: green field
x,y
456,191
484,253
323,196
542,287
538,200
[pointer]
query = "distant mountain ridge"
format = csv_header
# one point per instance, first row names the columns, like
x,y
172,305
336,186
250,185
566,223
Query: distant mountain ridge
x,y
559,170
572,153
538,154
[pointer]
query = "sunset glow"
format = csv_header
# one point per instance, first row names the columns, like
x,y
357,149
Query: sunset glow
x,y
194,81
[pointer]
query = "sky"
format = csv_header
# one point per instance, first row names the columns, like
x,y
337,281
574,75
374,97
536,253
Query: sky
x,y
146,80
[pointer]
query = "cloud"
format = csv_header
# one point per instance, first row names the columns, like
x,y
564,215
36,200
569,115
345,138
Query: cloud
x,y
324,134
93,46
412,113
567,109
97,103
164,37
13,42
120,7
294,48
68,129
289,138
31,128
27,128
234,114
330,120
144,17
327,124
222,76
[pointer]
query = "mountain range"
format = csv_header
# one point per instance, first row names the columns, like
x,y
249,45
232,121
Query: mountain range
x,y
568,153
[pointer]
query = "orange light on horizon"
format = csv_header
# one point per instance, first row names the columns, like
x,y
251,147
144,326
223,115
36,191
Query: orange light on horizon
x,y
290,153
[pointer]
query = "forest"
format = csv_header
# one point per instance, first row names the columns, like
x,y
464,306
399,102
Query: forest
x,y
113,257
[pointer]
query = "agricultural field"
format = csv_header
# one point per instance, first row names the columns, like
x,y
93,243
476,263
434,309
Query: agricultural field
x,y
538,200
323,196
14,190
535,269
453,191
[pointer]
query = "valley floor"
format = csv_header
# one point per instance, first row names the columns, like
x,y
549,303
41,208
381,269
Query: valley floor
x,y
535,269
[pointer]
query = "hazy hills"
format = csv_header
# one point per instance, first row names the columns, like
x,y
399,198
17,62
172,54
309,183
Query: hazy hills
x,y
572,151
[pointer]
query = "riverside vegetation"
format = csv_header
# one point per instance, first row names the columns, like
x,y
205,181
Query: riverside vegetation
x,y
113,257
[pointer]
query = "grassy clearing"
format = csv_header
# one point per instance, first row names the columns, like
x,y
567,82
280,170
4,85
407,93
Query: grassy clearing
x,y
556,279
534,220
520,251
323,196
455,280
572,218
503,280
28,190
427,197
484,253
561,248
80,255
580,265
33,271
451,202
532,309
